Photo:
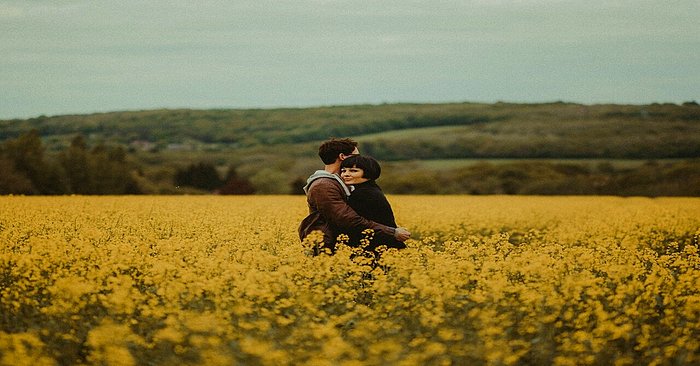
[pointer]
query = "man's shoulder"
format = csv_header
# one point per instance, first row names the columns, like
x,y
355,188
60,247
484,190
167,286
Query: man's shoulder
x,y
326,189
324,182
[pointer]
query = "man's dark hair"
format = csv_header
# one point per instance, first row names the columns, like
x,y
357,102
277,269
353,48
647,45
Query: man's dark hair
x,y
329,150
370,166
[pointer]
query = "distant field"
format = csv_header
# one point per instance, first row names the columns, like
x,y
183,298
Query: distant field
x,y
446,132
449,164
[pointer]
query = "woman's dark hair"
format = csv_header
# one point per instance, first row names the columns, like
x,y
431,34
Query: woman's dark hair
x,y
368,164
329,150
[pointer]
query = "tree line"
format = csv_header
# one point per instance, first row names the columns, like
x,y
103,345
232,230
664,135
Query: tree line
x,y
404,131
651,178
102,169
78,169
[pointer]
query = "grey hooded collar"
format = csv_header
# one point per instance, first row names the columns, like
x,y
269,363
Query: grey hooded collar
x,y
324,174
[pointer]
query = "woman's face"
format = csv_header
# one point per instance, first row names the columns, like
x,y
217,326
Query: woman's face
x,y
353,175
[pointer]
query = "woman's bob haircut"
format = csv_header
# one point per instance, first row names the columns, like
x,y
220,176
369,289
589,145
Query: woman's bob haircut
x,y
368,164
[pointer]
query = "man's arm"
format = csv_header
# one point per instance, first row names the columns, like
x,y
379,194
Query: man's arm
x,y
331,203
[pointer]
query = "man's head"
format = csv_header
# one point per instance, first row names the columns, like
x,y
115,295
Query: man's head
x,y
331,150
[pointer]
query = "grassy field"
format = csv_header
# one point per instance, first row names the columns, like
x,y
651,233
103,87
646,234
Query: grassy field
x,y
449,164
488,280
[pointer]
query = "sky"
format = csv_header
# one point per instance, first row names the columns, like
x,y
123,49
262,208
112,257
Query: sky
x,y
77,57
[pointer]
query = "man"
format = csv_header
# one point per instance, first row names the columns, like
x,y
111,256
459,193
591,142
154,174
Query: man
x,y
326,195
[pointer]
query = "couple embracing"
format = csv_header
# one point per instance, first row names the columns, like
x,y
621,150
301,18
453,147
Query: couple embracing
x,y
344,198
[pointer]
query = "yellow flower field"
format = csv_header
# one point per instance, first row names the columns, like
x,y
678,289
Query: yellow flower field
x,y
213,280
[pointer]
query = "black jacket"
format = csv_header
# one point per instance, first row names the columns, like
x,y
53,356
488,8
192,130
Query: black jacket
x,y
330,213
369,201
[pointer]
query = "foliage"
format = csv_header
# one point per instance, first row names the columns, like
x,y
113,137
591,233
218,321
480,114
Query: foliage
x,y
233,184
109,170
270,181
12,181
653,178
224,280
399,131
201,175
274,148
29,171
77,170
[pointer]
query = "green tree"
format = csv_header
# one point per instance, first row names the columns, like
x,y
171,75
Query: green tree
x,y
235,184
270,181
76,164
111,172
12,181
26,153
297,186
200,175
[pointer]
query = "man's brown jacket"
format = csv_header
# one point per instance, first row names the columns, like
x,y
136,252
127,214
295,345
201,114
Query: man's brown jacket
x,y
329,211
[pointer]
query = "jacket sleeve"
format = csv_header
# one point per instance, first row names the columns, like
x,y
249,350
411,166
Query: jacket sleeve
x,y
330,201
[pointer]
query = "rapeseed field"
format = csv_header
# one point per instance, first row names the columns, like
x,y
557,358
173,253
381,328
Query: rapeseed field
x,y
210,280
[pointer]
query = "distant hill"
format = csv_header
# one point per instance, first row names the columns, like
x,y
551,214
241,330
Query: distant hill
x,y
551,148
400,131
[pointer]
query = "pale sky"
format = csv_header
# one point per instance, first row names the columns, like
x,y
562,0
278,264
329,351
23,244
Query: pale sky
x,y
75,56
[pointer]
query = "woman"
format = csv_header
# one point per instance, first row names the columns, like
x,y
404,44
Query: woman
x,y
368,200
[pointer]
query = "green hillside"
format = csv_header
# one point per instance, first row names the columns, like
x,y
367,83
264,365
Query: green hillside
x,y
463,130
277,146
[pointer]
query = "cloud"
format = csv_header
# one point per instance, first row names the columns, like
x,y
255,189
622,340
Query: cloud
x,y
311,52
